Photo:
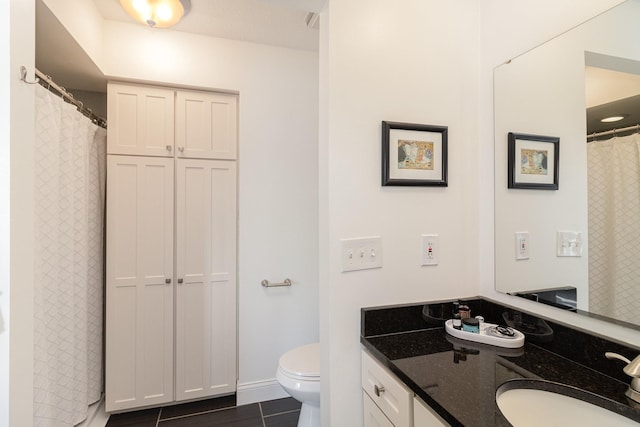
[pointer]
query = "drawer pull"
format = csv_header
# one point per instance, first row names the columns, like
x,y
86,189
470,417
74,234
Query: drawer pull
x,y
377,390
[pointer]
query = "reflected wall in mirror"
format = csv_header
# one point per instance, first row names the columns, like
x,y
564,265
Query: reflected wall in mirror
x,y
545,92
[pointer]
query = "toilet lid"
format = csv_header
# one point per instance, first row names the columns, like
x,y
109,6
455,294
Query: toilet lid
x,y
302,361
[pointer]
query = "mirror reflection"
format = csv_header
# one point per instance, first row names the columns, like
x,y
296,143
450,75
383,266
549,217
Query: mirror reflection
x,y
581,238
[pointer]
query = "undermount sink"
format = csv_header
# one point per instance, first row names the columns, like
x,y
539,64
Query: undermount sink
x,y
526,402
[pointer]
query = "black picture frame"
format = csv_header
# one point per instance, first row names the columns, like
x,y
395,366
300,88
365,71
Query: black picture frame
x,y
533,161
414,154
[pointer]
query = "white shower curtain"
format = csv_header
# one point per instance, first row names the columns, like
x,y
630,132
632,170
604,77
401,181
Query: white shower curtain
x,y
69,209
614,226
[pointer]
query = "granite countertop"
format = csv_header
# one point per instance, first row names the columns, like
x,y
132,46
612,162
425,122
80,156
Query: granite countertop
x,y
459,378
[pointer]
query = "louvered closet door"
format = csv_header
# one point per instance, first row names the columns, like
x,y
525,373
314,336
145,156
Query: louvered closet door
x,y
206,125
141,120
139,300
206,272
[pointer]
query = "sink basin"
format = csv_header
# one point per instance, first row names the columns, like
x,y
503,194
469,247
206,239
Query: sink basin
x,y
542,403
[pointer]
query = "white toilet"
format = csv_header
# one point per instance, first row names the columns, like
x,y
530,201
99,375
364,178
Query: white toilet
x,y
299,374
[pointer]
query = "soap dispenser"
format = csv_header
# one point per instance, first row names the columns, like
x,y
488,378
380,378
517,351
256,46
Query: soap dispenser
x,y
633,370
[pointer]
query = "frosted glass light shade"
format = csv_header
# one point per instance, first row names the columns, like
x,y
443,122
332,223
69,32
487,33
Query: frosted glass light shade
x,y
156,13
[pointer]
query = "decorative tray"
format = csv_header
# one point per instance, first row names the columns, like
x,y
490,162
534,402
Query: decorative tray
x,y
499,336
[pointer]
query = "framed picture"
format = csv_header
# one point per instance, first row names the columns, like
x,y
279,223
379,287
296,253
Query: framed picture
x,y
414,155
533,161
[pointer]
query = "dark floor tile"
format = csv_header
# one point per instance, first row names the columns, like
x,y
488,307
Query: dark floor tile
x,y
145,418
241,416
287,404
288,419
197,407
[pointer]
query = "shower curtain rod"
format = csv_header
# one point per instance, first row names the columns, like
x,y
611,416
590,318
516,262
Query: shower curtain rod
x,y
614,131
44,79
47,81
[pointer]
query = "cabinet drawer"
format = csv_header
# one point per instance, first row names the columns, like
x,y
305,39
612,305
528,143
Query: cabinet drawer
x,y
391,396
423,416
373,416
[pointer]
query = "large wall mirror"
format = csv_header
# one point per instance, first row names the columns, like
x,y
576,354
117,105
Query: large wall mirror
x,y
577,246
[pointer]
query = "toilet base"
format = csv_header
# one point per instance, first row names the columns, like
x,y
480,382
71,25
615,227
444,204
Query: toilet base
x,y
309,416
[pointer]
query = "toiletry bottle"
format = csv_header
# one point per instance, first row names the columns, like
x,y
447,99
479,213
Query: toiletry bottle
x,y
471,324
464,311
456,320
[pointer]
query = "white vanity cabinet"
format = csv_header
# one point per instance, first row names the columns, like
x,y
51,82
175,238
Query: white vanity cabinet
x,y
388,402
392,397
171,272
424,416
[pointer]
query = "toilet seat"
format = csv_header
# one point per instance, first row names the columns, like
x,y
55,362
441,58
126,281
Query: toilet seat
x,y
302,363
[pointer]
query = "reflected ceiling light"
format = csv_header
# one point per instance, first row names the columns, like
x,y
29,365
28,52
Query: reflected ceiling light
x,y
157,13
612,119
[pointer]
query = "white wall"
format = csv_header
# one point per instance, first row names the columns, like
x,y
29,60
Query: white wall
x,y
84,22
17,46
5,248
412,61
278,209
277,177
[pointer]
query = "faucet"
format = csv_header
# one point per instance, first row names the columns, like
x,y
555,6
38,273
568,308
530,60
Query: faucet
x,y
633,370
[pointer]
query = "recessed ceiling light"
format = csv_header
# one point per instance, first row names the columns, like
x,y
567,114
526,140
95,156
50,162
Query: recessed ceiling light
x,y
612,119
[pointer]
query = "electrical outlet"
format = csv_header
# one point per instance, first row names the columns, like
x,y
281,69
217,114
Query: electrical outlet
x,y
361,253
522,245
430,249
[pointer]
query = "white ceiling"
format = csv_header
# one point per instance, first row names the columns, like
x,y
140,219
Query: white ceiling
x,y
273,22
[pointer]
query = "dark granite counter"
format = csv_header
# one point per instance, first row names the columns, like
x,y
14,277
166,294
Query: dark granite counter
x,y
459,378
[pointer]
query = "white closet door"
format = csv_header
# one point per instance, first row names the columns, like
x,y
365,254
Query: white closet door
x,y
141,120
139,300
206,272
206,125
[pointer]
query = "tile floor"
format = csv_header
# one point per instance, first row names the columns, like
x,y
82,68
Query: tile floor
x,y
221,411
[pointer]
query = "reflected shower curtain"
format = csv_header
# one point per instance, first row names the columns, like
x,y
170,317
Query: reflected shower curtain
x,y
614,226
69,205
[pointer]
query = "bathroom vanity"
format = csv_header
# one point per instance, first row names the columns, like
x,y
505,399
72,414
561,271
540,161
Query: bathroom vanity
x,y
415,374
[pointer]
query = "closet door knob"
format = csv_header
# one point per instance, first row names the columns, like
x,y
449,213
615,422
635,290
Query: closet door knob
x,y
167,281
180,280
169,147
181,149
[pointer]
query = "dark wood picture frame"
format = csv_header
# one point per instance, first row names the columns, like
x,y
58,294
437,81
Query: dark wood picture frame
x,y
414,154
533,161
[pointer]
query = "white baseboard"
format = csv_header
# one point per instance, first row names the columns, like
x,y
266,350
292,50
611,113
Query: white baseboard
x,y
259,391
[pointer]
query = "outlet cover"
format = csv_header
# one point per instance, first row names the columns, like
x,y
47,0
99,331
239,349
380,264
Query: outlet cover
x,y
430,249
522,245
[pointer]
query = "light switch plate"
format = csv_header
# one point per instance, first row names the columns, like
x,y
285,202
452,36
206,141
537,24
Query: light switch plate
x,y
569,243
361,253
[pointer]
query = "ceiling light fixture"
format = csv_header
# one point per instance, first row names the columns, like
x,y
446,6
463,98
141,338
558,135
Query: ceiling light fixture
x,y
612,119
157,13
